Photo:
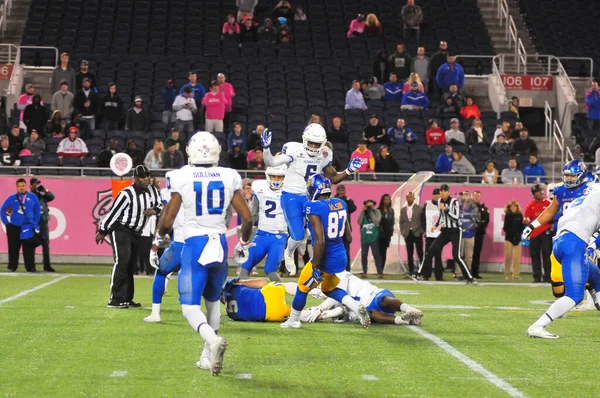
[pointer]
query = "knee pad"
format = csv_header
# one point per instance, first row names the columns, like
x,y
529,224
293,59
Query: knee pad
x,y
558,289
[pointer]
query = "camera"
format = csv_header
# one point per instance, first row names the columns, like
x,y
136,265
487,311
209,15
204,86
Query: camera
x,y
41,189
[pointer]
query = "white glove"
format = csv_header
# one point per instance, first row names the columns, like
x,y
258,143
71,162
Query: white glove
x,y
310,314
265,138
240,253
154,259
162,242
529,229
354,165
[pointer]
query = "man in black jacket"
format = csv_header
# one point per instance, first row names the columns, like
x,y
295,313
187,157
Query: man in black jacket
x,y
484,217
340,193
437,59
35,115
86,103
44,196
107,154
111,108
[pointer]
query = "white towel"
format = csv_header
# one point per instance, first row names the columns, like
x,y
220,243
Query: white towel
x,y
213,251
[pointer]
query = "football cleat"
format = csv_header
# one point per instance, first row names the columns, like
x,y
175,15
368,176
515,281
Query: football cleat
x,y
540,332
413,316
289,324
153,318
217,350
204,362
290,266
115,304
363,316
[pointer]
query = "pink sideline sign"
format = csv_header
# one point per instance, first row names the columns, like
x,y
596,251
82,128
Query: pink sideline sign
x,y
81,203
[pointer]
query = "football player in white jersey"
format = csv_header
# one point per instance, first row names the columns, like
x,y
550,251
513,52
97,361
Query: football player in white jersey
x,y
204,191
381,304
303,160
271,236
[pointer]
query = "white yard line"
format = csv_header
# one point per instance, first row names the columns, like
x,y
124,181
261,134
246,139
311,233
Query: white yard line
x,y
471,364
33,289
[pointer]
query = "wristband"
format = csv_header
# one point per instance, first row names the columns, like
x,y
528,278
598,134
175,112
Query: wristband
x,y
535,224
399,321
347,172
243,243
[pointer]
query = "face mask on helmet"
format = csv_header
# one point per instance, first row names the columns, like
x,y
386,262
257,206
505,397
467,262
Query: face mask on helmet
x,y
314,139
275,181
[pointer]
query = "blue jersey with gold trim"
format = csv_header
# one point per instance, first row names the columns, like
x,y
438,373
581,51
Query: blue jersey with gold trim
x,y
333,213
244,303
565,196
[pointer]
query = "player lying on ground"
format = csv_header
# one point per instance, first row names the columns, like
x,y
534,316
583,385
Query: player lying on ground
x,y
256,300
381,304
303,161
328,225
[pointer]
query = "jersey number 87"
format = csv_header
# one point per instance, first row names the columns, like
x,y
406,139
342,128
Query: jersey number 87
x,y
336,224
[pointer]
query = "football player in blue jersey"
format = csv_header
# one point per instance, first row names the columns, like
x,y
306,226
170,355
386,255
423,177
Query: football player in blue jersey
x,y
328,225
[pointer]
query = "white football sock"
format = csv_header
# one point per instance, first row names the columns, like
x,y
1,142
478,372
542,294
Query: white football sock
x,y
197,321
350,303
404,307
295,315
156,309
213,314
556,310
292,245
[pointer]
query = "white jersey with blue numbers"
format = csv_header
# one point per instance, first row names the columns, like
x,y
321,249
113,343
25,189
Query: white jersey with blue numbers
x,y
178,223
582,217
302,166
270,213
206,193
358,288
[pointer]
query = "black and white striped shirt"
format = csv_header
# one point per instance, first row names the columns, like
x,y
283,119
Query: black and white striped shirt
x,y
450,218
128,209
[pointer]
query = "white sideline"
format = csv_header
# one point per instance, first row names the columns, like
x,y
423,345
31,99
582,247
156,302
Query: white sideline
x,y
471,364
33,289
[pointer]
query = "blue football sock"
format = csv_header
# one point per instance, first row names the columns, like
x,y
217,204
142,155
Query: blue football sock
x,y
158,288
336,294
299,300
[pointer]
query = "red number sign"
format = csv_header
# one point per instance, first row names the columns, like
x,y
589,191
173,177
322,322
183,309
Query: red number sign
x,y
5,71
528,82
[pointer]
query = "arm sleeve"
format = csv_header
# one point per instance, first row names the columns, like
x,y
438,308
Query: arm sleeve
x,y
3,212
361,217
36,210
255,209
194,106
49,197
274,161
461,78
453,210
114,213
375,216
177,106
351,206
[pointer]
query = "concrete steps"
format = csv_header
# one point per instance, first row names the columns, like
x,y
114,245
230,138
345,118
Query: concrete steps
x,y
16,22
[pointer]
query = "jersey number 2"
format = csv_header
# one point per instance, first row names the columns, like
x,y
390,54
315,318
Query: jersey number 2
x,y
214,205
336,224
272,206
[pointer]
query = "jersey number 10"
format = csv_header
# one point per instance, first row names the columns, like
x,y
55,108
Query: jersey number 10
x,y
208,201
336,224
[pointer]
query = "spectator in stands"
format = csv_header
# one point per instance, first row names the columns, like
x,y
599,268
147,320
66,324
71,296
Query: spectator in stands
x,y
82,126
107,153
384,163
393,89
454,136
354,98
237,137
435,135
412,17
374,91
185,107
86,103
366,155
524,145
154,157
8,155
444,161
299,15
490,174
514,133
199,93
35,115
450,73
400,63
62,72
357,26
62,100
500,147
414,99
448,109
137,156
460,164
267,32
513,228
84,72
175,136
15,140
454,93
168,96
316,118
476,135
34,144
437,60
254,138
400,134
237,158
470,110
503,128
512,175
413,78
230,27
534,172
56,126
111,109
337,131
372,26
592,101
24,100
258,163
172,158
514,106
214,103
245,9
283,9
137,118
381,67
374,132
369,220
284,35
420,65
72,146
248,31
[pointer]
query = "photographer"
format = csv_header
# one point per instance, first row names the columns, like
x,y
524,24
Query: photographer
x,y
44,196
369,220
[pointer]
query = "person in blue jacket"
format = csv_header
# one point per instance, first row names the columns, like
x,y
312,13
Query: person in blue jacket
x,y
414,99
592,100
450,73
20,213
534,171
393,89
444,161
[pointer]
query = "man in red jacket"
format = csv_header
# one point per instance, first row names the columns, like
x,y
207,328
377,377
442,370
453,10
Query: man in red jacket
x,y
541,238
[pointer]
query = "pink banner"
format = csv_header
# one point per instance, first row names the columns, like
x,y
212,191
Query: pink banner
x,y
81,203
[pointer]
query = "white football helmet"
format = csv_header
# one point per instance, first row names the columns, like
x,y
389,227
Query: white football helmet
x,y
275,171
314,133
203,149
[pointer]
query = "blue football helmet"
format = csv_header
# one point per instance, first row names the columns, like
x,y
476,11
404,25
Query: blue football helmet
x,y
597,172
589,177
573,173
317,185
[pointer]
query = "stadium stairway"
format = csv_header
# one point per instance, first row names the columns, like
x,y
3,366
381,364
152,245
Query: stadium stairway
x,y
16,22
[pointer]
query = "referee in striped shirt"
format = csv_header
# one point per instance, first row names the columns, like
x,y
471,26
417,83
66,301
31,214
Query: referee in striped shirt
x,y
451,232
124,222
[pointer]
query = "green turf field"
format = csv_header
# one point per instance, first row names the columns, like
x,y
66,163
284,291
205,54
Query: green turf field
x,y
61,341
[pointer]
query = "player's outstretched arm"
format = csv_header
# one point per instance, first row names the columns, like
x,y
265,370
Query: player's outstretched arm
x,y
253,283
348,232
319,240
336,177
546,217
167,216
239,204
380,317
270,160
